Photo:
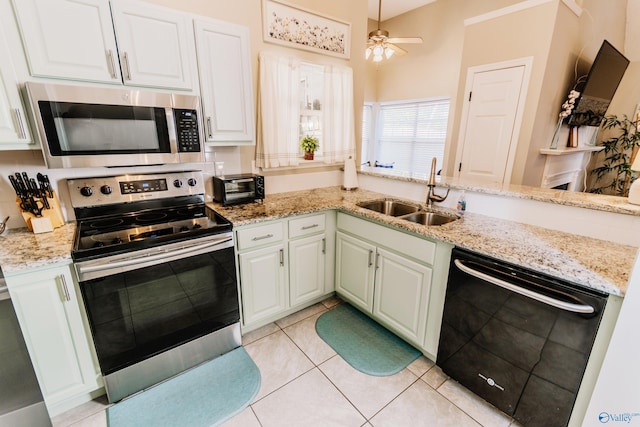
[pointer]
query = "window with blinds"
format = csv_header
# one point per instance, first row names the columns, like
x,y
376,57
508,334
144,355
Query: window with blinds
x,y
410,134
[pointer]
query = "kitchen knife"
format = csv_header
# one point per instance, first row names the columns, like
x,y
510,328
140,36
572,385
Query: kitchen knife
x,y
39,192
14,184
45,179
21,185
25,178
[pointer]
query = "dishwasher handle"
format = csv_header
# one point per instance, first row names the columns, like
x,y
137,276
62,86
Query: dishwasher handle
x,y
563,305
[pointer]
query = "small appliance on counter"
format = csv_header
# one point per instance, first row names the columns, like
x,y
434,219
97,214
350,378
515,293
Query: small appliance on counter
x,y
237,189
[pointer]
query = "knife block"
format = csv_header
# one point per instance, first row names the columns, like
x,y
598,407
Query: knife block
x,y
50,219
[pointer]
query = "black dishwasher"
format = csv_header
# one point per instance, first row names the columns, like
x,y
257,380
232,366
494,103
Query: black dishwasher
x,y
517,338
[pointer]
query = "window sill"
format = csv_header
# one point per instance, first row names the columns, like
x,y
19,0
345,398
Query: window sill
x,y
305,164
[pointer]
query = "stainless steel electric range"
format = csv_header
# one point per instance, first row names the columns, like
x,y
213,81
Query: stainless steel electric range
x,y
157,275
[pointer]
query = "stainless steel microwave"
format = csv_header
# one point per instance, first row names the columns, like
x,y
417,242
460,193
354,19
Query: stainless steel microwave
x,y
237,189
88,126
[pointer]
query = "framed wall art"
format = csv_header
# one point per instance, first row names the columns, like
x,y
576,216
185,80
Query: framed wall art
x,y
293,26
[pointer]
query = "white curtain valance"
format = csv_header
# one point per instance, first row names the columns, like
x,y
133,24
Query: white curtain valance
x,y
279,113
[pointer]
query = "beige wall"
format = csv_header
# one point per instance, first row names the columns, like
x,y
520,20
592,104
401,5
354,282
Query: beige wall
x,y
550,32
249,13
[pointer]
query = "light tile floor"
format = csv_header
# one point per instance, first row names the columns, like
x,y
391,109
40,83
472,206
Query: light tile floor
x,y
305,383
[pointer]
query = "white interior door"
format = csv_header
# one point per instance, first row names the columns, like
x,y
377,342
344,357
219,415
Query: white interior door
x,y
491,123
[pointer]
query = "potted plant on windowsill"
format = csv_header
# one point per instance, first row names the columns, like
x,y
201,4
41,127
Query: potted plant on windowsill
x,y
309,145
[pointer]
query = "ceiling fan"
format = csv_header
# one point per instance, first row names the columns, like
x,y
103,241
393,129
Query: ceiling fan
x,y
380,43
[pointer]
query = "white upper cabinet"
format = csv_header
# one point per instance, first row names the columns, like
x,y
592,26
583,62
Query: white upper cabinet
x,y
69,39
14,129
224,65
76,40
155,45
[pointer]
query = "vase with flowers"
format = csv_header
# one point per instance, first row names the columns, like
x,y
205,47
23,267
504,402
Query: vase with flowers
x,y
567,108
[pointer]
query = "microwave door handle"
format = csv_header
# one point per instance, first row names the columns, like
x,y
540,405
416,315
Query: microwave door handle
x,y
566,306
146,258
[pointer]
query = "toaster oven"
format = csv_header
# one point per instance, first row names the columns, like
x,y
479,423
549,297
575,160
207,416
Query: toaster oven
x,y
237,189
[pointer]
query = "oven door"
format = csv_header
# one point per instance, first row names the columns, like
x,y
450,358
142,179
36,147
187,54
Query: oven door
x,y
144,306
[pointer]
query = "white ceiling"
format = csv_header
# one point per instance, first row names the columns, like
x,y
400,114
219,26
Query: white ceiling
x,y
391,8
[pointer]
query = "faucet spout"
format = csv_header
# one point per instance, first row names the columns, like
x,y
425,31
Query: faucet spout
x,y
431,195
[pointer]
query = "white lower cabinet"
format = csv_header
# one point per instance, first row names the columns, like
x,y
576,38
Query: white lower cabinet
x,y
264,283
49,312
354,270
284,266
396,278
401,294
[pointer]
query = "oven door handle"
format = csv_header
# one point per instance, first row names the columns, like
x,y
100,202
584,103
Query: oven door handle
x,y
563,305
146,258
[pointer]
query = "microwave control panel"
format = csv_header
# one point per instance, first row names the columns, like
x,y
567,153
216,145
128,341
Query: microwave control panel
x,y
187,130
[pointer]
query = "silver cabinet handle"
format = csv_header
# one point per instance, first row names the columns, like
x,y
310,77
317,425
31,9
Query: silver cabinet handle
x,y
308,227
209,132
127,69
111,64
63,280
282,257
22,133
377,261
370,259
567,306
324,245
266,236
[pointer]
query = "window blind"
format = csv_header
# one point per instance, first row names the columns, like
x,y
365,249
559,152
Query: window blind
x,y
412,133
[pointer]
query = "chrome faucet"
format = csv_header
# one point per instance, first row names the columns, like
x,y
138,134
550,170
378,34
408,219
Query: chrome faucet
x,y
431,195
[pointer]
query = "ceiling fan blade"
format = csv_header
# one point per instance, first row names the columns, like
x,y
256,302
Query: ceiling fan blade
x,y
396,50
404,40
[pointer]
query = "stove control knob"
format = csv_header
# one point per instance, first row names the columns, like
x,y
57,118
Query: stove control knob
x,y
177,183
86,191
192,182
106,189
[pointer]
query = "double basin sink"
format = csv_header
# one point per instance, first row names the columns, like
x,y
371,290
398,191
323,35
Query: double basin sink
x,y
408,212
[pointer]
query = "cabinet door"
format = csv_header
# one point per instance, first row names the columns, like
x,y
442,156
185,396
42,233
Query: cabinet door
x,y
48,310
224,65
354,270
69,39
14,130
155,45
306,268
401,294
263,283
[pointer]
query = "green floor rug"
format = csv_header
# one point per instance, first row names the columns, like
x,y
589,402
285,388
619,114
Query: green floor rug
x,y
363,343
206,395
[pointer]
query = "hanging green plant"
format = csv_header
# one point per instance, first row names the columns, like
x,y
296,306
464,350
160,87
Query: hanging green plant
x,y
614,176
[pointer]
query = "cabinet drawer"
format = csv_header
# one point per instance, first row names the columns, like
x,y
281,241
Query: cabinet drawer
x,y
307,225
260,235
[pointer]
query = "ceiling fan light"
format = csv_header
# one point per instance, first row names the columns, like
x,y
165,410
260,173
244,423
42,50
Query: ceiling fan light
x,y
367,53
378,50
377,58
388,52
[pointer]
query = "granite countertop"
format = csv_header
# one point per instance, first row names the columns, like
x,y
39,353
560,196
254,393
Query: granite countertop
x,y
20,249
589,262
600,202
